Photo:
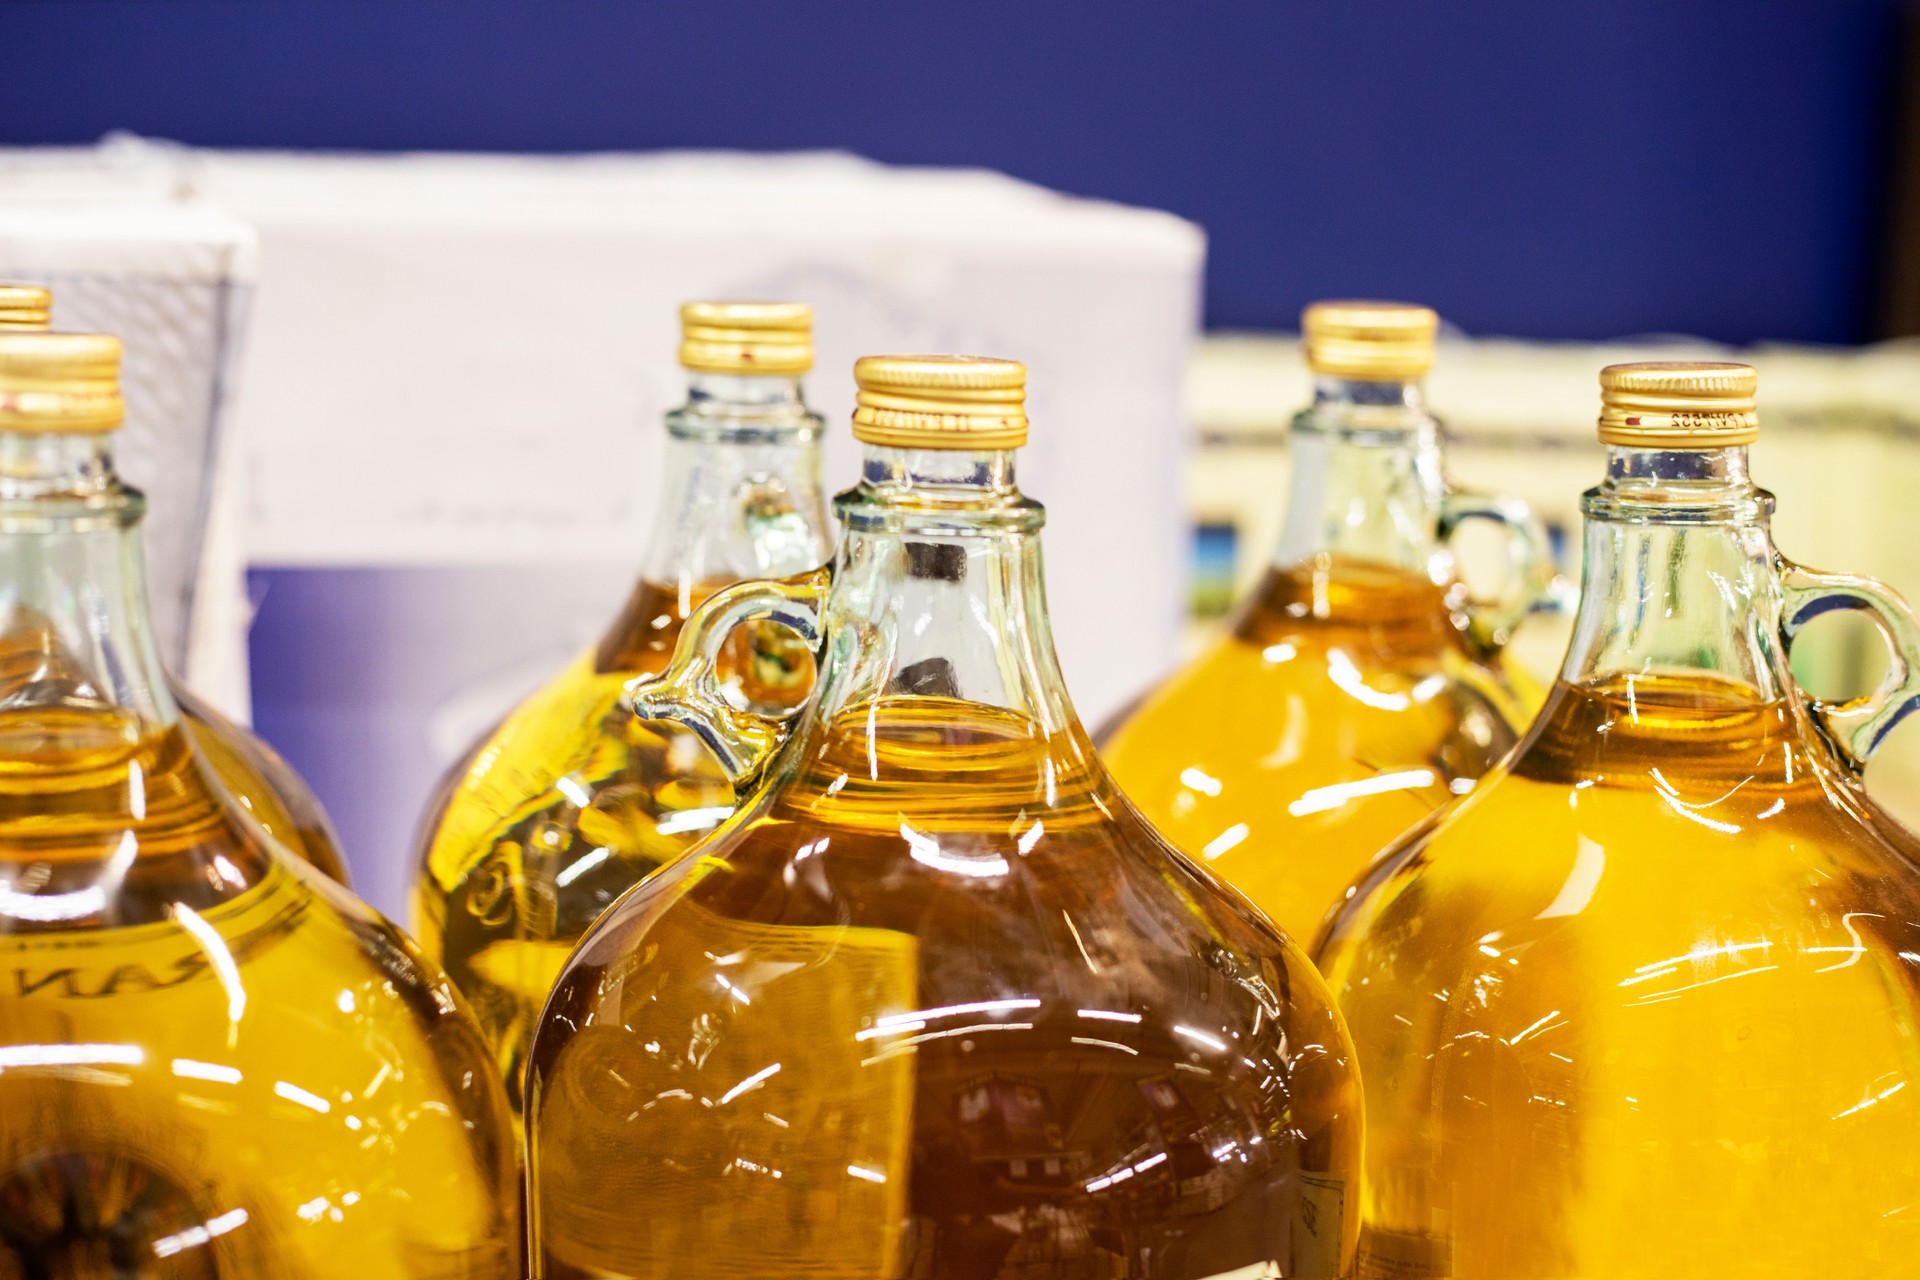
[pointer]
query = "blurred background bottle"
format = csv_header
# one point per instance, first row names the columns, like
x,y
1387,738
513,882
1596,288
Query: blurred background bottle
x,y
1360,686
572,798
940,1002
1650,992
213,1059
259,779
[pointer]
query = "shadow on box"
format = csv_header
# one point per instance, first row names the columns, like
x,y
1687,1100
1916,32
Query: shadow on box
x,y
372,681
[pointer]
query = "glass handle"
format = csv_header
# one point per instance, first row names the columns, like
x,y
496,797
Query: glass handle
x,y
1536,581
689,693
1857,726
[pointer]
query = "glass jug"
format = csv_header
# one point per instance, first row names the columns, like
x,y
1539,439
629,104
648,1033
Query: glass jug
x,y
1358,688
571,798
214,1061
1645,1003
938,1001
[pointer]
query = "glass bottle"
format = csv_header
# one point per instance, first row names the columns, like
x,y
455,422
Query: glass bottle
x,y
1648,1001
1358,688
938,1001
214,1061
259,779
571,799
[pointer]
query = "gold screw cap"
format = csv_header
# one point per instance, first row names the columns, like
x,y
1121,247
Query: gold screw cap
x,y
1678,405
940,402
746,337
1369,341
67,382
25,306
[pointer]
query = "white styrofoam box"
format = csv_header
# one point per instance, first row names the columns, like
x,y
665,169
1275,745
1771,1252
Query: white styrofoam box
x,y
170,276
457,368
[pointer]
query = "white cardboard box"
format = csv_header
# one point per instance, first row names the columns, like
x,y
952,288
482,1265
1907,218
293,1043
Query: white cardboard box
x,y
127,254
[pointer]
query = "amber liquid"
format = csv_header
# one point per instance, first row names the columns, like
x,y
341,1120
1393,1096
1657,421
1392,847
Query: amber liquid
x,y
1343,707
213,1061
264,784
565,805
1645,1005
33,666
941,1005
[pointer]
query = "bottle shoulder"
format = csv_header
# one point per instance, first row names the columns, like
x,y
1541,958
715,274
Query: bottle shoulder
x,y
570,774
1293,751
1790,866
203,963
264,784
1083,895
1315,677
1333,646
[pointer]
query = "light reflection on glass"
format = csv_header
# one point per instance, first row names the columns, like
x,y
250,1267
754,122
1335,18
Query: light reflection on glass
x,y
70,1055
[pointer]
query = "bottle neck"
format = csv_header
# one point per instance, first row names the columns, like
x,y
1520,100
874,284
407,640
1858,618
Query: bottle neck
x,y
938,590
1367,481
75,633
742,495
1681,578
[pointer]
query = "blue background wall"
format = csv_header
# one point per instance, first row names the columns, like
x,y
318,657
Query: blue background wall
x,y
1550,170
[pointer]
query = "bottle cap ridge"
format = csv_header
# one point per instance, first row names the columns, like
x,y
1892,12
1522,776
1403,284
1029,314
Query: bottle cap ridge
x,y
746,337
940,402
1678,405
1369,341
59,382
25,306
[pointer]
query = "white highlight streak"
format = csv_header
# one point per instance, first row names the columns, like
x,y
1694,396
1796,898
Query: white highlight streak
x,y
71,1055
1225,841
581,867
294,1093
1588,862
194,1237
1321,799
751,1082
1110,1015
926,851
188,1069
218,956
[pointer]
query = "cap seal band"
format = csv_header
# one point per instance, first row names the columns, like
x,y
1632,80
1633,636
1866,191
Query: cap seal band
x,y
1369,341
1678,405
25,306
59,382
940,402
746,337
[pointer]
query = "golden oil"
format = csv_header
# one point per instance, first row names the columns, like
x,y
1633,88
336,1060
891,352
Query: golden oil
x,y
1342,708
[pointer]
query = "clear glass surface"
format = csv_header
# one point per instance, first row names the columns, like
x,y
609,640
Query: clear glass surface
x,y
264,784
1349,698
1645,1003
572,798
213,1060
939,1002
253,773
